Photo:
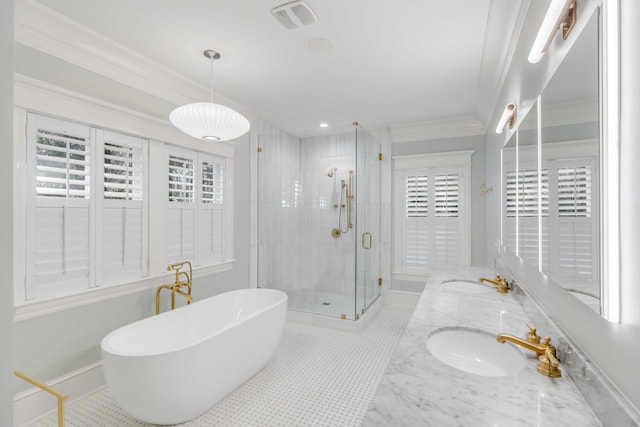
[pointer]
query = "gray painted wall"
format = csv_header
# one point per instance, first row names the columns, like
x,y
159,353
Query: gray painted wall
x,y
49,346
479,257
6,213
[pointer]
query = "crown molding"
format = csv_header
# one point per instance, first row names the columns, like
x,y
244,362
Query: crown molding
x,y
46,30
570,113
504,23
437,129
565,113
45,98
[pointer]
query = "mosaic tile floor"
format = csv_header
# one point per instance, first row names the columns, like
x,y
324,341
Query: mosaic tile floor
x,y
318,377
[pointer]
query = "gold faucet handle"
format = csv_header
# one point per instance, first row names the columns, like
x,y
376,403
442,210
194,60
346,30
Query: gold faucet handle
x,y
532,335
548,363
503,285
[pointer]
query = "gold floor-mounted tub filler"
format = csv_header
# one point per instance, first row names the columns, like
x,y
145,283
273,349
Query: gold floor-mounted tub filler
x,y
183,279
547,360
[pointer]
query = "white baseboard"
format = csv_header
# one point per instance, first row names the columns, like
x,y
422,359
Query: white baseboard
x,y
33,404
404,298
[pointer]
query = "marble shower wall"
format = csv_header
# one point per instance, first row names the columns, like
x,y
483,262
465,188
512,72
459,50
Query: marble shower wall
x,y
296,212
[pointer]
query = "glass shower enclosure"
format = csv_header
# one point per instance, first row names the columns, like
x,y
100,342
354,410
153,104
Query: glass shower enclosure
x,y
319,220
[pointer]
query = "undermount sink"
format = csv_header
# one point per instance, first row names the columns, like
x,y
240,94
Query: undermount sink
x,y
475,352
466,286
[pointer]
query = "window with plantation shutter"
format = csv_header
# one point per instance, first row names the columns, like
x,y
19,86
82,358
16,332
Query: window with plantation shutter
x,y
86,212
570,224
211,210
417,196
447,225
181,215
195,217
528,214
521,201
124,248
59,256
432,219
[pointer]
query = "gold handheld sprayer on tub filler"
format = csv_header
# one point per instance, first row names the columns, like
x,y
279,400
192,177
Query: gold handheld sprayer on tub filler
x,y
182,279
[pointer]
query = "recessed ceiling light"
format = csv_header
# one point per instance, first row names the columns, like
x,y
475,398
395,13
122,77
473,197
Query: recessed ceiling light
x,y
318,45
324,125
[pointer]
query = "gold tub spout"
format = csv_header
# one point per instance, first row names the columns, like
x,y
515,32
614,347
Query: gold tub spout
x,y
547,360
183,279
500,282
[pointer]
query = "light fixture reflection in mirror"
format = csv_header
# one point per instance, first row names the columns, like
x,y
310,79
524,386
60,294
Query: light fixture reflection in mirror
x,y
508,118
570,166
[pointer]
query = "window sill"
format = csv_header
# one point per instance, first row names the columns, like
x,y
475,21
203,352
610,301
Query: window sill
x,y
32,309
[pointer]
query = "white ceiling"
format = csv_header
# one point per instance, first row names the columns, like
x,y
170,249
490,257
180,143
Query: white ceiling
x,y
392,62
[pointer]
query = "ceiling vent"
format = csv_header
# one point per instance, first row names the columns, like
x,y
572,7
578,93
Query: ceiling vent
x,y
294,14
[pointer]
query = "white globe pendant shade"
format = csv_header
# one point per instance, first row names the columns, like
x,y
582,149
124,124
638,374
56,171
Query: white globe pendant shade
x,y
209,121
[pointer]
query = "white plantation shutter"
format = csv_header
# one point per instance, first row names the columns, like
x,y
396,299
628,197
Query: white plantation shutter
x,y
510,205
123,206
447,226
521,211
181,214
432,223
86,214
571,231
416,227
574,191
211,210
528,214
417,196
59,256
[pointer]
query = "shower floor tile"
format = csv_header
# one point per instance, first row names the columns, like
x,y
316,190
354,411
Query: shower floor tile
x,y
318,377
327,304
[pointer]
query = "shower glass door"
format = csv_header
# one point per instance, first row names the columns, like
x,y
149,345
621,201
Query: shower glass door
x,y
368,243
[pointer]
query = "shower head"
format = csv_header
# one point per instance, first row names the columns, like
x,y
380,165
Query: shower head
x,y
332,172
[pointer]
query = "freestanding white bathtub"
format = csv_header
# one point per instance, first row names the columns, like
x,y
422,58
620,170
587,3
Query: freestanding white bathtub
x,y
173,367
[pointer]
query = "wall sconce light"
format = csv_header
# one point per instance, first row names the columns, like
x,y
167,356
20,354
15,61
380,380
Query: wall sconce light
x,y
485,191
508,117
561,14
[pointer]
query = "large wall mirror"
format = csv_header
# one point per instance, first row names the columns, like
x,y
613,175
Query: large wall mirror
x,y
570,138
509,194
551,175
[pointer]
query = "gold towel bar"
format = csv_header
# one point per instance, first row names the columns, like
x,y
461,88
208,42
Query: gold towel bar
x,y
60,396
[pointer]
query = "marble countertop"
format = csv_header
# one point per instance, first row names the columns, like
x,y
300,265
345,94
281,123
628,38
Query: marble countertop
x,y
419,390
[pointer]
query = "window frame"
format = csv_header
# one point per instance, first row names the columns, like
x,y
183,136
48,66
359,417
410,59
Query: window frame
x,y
196,205
93,202
458,161
50,100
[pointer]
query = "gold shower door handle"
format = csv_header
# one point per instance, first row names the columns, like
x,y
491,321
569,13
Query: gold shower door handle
x,y
366,233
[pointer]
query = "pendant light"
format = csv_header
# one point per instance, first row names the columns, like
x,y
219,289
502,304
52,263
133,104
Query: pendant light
x,y
209,121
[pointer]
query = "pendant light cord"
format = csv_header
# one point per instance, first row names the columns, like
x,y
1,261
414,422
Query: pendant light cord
x,y
211,82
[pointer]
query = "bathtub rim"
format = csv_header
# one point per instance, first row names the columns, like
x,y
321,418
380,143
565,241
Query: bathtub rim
x,y
110,350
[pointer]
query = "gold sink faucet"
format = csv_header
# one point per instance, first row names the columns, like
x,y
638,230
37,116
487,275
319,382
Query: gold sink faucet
x,y
547,360
500,282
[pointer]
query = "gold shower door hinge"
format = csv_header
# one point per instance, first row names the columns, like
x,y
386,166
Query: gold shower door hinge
x,y
379,281
259,149
379,156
